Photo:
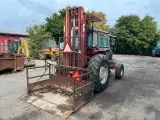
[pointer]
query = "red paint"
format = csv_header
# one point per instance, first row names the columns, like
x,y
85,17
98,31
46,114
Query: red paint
x,y
4,41
113,64
79,34
76,74
81,18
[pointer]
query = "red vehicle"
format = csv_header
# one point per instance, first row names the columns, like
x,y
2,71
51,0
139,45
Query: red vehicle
x,y
83,68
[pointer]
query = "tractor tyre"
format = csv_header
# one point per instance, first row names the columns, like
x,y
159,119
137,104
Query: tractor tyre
x,y
98,67
119,71
54,57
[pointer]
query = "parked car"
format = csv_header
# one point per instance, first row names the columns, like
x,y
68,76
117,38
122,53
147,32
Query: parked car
x,y
156,50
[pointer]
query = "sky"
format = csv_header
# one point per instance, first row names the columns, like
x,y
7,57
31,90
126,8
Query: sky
x,y
16,15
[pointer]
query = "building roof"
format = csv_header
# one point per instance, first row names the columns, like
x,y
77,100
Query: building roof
x,y
2,32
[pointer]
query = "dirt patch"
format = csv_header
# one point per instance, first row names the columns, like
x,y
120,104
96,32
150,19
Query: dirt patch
x,y
65,108
61,91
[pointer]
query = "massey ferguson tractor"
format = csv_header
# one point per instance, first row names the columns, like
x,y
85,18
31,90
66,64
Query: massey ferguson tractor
x,y
83,68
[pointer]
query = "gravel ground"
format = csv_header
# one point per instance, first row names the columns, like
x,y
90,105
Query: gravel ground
x,y
135,97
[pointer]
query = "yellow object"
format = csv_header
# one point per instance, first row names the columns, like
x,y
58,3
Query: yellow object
x,y
49,50
25,46
28,61
52,51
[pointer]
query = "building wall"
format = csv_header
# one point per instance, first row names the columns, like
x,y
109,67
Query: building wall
x,y
4,41
24,39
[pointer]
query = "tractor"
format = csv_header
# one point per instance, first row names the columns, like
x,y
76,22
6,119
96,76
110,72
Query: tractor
x,y
83,68
50,50
90,48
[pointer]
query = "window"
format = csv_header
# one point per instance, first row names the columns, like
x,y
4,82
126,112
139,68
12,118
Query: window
x,y
103,41
49,43
89,43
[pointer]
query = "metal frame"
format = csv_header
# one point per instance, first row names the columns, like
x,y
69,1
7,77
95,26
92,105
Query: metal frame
x,y
82,91
76,20
81,59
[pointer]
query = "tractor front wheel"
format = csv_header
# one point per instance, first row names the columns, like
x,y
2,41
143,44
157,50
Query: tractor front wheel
x,y
98,67
119,71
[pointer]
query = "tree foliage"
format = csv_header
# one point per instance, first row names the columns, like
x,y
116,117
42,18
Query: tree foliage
x,y
37,34
55,23
53,28
100,25
135,35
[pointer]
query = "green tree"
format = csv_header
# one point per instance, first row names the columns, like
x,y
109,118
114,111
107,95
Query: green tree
x,y
157,37
100,25
127,28
113,31
37,34
135,34
55,23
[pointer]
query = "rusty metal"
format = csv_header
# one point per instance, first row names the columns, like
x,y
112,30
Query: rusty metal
x,y
76,90
11,61
76,57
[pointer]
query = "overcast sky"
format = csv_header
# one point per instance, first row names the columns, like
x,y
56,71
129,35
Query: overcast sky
x,y
16,15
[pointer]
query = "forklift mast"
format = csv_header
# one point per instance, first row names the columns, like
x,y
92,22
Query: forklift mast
x,y
75,35
84,42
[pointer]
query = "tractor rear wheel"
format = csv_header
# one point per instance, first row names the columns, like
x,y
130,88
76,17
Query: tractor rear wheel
x,y
100,72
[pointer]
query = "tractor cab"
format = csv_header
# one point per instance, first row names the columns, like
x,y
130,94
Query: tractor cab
x,y
99,42
97,39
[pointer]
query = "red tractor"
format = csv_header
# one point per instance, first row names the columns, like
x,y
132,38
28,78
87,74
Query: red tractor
x,y
83,67
89,48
